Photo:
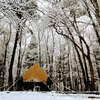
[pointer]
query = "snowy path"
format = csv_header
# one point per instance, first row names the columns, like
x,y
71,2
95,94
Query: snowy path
x,y
45,96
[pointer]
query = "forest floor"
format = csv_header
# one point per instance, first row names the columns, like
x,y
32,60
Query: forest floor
x,y
46,96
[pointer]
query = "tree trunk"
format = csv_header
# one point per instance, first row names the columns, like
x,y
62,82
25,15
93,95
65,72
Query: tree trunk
x,y
85,66
19,57
77,72
5,54
19,60
80,61
69,66
92,85
39,49
10,77
97,16
96,9
81,64
77,48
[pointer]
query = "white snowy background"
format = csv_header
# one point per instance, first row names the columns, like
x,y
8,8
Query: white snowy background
x,y
46,96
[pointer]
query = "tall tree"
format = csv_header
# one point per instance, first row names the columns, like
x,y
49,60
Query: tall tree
x,y
96,9
62,21
17,12
31,56
5,39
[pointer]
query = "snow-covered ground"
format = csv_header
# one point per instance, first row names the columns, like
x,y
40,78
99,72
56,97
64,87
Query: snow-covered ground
x,y
46,96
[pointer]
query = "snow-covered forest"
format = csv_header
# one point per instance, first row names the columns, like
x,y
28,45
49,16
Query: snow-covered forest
x,y
62,36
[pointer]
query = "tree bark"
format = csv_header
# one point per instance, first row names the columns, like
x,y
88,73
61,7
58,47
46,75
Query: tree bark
x,y
10,77
39,49
85,66
77,72
97,16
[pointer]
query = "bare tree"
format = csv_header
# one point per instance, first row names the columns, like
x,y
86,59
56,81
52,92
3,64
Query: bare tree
x,y
16,12
71,25
96,10
6,39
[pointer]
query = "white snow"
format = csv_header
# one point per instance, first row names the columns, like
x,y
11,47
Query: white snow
x,y
45,96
